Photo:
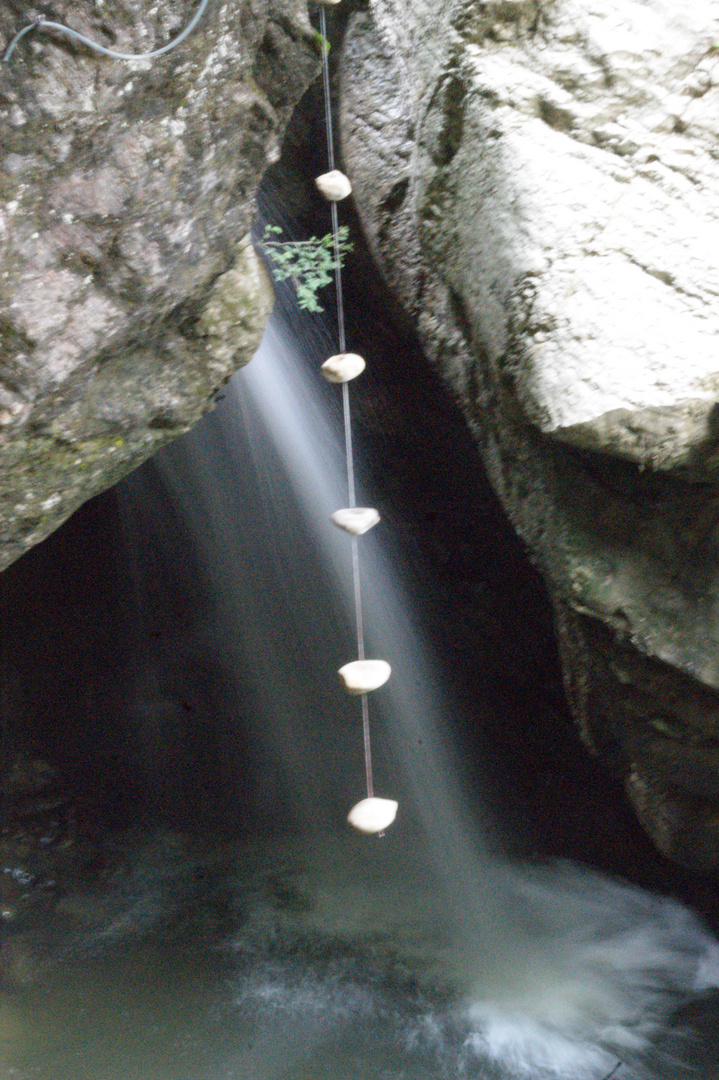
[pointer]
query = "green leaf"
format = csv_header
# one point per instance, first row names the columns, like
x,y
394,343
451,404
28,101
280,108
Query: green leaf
x,y
310,264
322,41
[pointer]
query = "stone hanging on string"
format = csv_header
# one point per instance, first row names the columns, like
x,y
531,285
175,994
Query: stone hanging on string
x,y
362,676
373,815
355,519
334,185
343,368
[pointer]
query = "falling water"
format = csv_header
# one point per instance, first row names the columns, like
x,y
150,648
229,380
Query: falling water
x,y
424,950
293,949
560,970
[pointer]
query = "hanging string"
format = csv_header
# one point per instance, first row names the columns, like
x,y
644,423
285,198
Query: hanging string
x,y
360,655
331,162
346,412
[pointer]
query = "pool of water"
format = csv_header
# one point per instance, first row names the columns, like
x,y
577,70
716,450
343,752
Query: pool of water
x,y
334,958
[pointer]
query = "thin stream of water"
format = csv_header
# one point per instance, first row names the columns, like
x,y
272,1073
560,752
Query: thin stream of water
x,y
298,950
537,1004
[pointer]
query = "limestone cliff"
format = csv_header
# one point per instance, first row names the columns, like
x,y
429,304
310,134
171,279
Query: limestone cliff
x,y
128,289
539,182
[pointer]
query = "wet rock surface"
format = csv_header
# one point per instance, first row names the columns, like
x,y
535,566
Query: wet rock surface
x,y
126,191
45,850
538,184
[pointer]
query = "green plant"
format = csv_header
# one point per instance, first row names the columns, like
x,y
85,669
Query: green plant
x,y
322,41
308,264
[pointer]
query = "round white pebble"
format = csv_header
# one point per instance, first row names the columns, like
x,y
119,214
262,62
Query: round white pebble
x,y
334,185
361,676
343,367
373,815
356,519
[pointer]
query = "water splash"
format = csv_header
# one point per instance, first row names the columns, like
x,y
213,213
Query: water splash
x,y
550,974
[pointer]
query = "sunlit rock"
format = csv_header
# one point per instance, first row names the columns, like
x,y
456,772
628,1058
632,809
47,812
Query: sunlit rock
x,y
361,676
328,3
356,519
481,194
98,348
373,815
334,185
343,368
237,308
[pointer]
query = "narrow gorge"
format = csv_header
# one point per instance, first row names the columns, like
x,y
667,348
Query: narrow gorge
x,y
534,232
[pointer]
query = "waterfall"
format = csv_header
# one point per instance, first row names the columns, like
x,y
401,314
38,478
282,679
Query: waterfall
x,y
241,929
550,971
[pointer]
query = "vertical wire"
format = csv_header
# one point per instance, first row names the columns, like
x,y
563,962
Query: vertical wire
x,y
326,87
359,620
347,416
338,279
331,163
366,734
367,748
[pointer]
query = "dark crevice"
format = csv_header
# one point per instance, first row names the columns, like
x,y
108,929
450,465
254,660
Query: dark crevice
x,y
395,197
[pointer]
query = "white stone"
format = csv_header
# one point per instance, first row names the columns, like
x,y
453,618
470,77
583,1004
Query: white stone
x,y
343,367
361,676
373,815
328,3
334,185
356,519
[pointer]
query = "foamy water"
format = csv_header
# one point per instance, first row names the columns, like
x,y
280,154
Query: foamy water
x,y
612,964
332,958
589,989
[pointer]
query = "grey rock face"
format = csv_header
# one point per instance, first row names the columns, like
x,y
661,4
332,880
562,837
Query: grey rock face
x,y
128,289
540,184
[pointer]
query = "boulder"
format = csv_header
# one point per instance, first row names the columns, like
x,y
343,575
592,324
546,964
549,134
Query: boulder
x,y
539,183
129,291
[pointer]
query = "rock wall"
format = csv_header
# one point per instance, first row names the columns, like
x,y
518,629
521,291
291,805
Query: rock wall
x,y
128,288
539,182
